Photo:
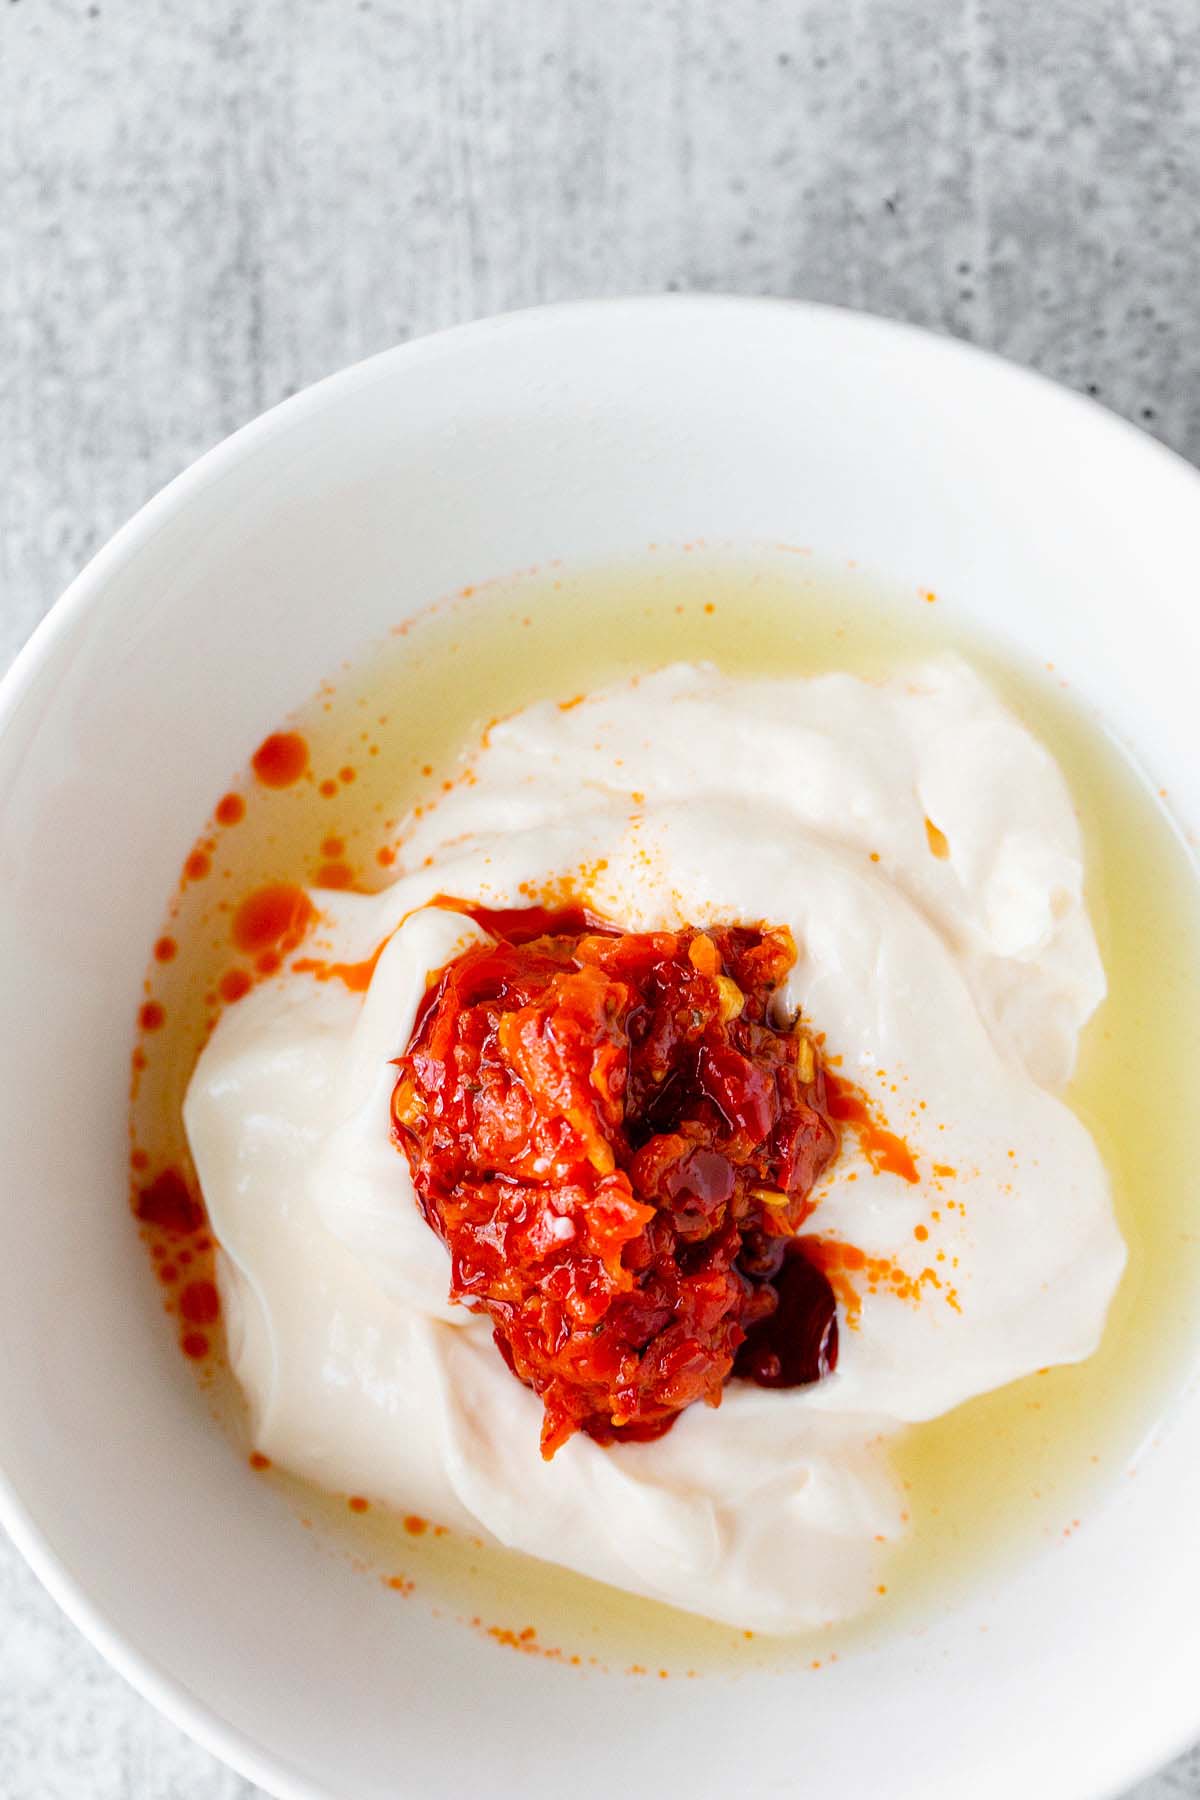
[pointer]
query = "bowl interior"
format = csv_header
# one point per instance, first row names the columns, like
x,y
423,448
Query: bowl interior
x,y
582,433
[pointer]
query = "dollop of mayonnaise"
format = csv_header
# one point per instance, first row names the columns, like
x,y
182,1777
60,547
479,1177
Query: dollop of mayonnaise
x,y
922,847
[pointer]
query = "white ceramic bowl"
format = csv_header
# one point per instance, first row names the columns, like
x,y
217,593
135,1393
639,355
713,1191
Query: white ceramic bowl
x,y
578,432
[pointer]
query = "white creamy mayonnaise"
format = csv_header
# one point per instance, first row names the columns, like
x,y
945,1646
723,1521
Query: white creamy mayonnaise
x,y
922,847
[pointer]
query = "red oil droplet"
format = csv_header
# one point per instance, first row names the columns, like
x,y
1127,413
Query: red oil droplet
x,y
333,847
280,759
279,913
168,1202
328,788
415,1525
151,1016
334,875
234,985
194,1344
199,1303
231,809
346,775
357,1504
165,950
259,1461
197,865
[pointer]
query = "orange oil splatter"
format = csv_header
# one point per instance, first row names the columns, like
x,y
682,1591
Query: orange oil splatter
x,y
886,1152
335,875
356,976
274,916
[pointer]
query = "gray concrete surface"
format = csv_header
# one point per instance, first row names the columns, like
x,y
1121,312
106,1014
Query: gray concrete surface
x,y
207,204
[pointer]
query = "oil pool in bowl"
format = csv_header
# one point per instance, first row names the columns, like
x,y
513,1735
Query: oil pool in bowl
x,y
319,803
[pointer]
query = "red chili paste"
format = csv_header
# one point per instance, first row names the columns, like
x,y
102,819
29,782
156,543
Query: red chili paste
x,y
617,1143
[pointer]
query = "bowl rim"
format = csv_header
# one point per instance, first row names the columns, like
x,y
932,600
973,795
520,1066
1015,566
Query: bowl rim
x,y
86,595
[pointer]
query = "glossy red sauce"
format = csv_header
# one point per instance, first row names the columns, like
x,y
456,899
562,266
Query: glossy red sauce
x,y
520,924
280,759
800,1336
617,1144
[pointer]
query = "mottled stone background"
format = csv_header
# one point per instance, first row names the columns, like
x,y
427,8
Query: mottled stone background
x,y
207,204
